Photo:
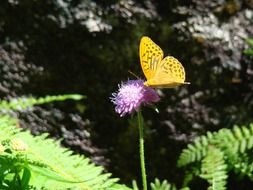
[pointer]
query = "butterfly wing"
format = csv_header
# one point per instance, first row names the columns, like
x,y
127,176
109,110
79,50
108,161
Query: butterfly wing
x,y
150,57
169,74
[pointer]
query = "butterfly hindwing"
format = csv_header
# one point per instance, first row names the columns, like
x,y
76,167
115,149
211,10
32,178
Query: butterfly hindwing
x,y
150,56
171,68
169,74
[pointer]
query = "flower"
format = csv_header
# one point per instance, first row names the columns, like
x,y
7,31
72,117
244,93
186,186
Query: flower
x,y
131,95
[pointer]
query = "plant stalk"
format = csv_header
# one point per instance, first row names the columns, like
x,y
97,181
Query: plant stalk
x,y
141,142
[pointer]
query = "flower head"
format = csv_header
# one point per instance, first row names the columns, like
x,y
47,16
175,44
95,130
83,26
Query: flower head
x,y
131,95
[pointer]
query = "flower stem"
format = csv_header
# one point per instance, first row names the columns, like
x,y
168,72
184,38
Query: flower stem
x,y
141,141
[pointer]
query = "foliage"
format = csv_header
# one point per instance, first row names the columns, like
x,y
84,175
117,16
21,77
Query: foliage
x,y
164,185
158,185
213,169
78,57
250,50
26,102
219,153
41,162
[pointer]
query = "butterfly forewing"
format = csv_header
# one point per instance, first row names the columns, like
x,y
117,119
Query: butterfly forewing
x,y
169,74
150,57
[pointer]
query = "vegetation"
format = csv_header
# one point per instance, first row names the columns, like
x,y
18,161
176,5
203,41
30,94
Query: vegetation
x,y
215,155
29,162
87,47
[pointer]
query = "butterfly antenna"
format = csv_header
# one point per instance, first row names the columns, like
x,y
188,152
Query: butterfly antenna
x,y
133,74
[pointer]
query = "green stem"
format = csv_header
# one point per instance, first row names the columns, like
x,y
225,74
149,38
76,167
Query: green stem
x,y
142,158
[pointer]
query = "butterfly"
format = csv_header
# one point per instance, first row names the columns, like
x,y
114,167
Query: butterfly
x,y
161,72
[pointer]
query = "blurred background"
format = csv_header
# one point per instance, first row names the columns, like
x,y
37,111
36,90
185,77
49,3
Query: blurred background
x,y
87,47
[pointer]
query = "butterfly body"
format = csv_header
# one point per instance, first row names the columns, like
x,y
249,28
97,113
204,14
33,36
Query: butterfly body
x,y
160,72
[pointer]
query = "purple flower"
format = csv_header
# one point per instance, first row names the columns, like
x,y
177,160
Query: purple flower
x,y
131,95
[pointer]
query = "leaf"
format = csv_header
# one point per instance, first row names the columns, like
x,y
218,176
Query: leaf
x,y
213,169
24,103
164,185
25,178
51,165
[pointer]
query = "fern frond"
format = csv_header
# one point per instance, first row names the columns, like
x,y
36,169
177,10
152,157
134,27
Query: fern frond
x,y
190,174
157,185
239,139
231,142
235,145
213,169
134,185
164,185
244,165
26,102
195,151
67,170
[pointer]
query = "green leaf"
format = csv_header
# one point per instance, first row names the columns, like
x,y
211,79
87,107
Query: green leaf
x,y
249,41
49,164
164,185
134,184
213,169
26,102
248,52
25,178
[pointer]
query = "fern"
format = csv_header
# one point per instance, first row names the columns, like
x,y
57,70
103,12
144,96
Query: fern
x,y
158,185
237,140
26,102
195,151
190,174
50,165
213,169
244,166
232,142
164,185
234,146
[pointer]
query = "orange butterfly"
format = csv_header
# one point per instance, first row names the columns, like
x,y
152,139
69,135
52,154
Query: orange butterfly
x,y
160,72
